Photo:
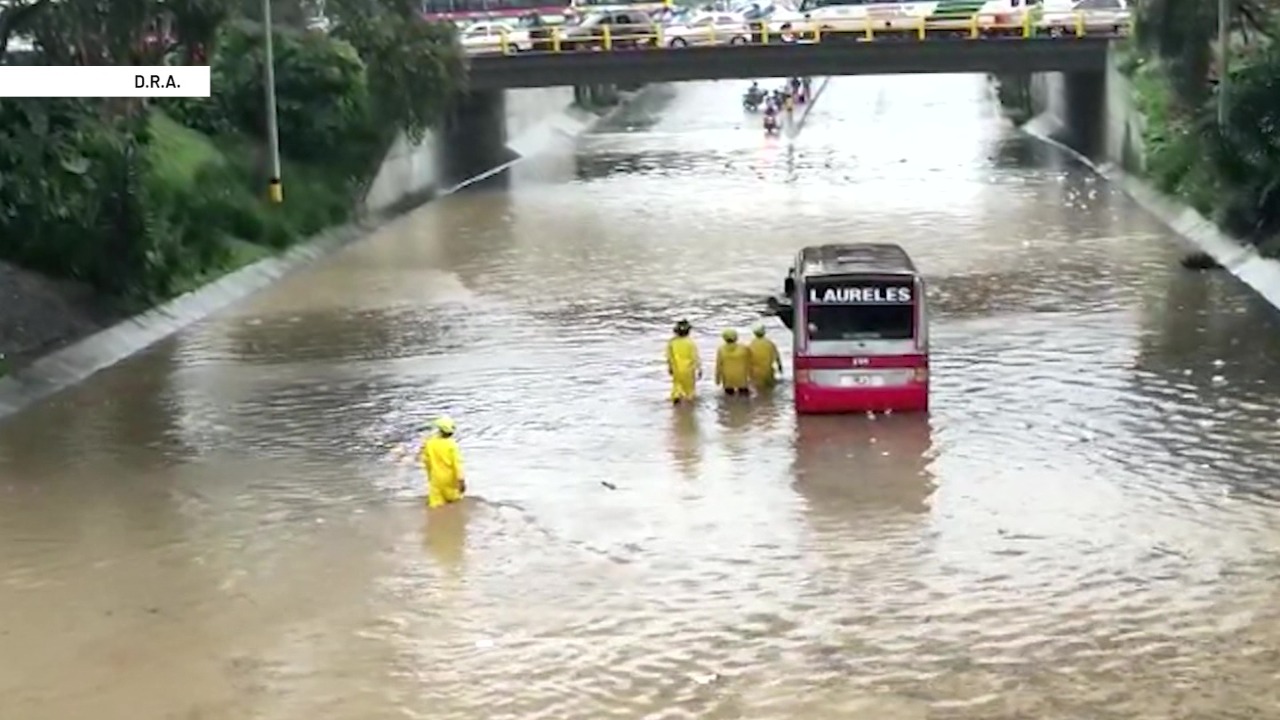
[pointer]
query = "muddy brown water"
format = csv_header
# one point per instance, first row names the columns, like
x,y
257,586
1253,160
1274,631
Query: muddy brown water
x,y
1085,526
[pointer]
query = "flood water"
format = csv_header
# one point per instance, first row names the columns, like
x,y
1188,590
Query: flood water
x,y
1086,526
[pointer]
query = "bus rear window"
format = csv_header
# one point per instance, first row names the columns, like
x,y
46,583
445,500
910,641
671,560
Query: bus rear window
x,y
864,322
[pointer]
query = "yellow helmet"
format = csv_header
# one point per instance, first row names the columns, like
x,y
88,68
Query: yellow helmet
x,y
445,425
730,335
758,330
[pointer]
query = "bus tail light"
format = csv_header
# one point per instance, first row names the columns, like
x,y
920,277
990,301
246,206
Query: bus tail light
x,y
802,376
922,374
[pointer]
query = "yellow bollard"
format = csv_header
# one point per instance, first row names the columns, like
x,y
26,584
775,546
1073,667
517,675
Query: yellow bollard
x,y
973,28
817,33
868,33
502,41
555,40
657,36
711,33
608,39
1026,25
764,33
920,31
1079,24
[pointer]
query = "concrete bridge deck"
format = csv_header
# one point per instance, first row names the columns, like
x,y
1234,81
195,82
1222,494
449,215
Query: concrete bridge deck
x,y
724,62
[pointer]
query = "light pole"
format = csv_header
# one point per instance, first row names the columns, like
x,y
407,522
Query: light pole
x,y
275,190
1224,50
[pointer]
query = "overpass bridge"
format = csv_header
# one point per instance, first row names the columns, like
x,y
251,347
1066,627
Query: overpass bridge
x,y
642,57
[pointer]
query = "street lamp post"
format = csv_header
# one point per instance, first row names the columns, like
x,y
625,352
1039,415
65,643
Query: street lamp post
x,y
275,190
1224,51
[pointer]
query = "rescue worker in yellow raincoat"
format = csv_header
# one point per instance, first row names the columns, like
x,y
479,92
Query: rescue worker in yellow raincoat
x,y
442,462
766,363
683,364
733,365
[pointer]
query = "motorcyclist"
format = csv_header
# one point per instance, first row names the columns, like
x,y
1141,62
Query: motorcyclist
x,y
770,115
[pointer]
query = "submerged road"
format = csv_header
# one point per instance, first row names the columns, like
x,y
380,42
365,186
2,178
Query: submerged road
x,y
1086,526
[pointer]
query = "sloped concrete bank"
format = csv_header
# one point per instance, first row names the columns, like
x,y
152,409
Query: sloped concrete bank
x,y
1121,160
409,178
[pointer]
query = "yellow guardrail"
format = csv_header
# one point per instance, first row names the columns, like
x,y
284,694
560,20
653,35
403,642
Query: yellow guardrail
x,y
564,40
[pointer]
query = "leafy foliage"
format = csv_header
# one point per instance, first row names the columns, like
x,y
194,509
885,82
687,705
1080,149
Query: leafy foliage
x,y
322,94
117,194
415,67
1232,172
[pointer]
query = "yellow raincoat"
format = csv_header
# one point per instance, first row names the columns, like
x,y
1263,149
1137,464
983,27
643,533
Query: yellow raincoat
x,y
684,366
765,363
442,462
733,366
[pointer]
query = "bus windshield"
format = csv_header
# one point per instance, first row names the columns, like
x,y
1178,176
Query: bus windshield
x,y
841,309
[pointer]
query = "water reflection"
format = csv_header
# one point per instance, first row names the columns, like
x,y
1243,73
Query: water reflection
x,y
686,442
865,467
445,535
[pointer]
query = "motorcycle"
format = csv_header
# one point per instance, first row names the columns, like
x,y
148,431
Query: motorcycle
x,y
751,102
771,125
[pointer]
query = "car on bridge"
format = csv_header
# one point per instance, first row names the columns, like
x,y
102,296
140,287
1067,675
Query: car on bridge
x,y
609,30
708,29
1084,16
488,36
859,20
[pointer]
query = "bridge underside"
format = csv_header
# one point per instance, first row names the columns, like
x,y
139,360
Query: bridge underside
x,y
1030,55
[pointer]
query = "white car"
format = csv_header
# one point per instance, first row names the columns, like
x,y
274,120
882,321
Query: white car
x,y
486,37
709,29
1111,16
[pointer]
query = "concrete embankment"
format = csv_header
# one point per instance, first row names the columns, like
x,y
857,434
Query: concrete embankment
x,y
1094,118
412,174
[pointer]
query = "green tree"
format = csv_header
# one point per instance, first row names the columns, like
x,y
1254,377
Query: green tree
x,y
1182,34
416,68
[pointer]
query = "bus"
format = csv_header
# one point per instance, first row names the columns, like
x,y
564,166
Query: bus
x,y
860,330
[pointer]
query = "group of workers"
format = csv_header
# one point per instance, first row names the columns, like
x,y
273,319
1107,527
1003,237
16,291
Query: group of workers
x,y
739,368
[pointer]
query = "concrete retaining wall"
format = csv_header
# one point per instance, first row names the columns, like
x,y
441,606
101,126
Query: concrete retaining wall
x,y
532,118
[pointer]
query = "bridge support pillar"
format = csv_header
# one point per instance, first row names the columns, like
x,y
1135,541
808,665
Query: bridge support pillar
x,y
475,136
594,97
1084,101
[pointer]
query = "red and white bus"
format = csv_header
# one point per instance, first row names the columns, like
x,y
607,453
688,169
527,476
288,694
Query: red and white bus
x,y
861,330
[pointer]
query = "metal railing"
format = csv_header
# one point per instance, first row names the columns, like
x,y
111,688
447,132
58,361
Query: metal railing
x,y
557,40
